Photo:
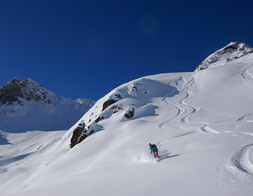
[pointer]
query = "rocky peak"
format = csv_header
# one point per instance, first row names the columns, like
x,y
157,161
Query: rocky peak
x,y
11,92
35,92
33,107
234,50
15,91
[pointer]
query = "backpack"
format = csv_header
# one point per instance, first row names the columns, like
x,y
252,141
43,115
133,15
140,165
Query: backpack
x,y
154,147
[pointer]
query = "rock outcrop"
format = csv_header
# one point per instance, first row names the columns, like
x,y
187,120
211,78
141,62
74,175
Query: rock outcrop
x,y
14,91
234,50
11,92
130,113
79,134
108,103
84,130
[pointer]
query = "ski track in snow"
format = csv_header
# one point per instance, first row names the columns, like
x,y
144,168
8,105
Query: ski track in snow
x,y
184,110
247,79
246,117
247,76
238,175
240,162
190,87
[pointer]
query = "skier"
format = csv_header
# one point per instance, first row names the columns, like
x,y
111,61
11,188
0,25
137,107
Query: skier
x,y
154,149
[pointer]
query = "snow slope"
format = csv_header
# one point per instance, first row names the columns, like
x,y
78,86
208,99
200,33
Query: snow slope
x,y
201,122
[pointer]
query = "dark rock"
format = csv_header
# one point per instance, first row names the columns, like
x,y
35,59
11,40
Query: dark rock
x,y
11,92
115,109
118,96
78,135
134,89
99,119
91,132
82,138
232,47
15,91
130,114
108,103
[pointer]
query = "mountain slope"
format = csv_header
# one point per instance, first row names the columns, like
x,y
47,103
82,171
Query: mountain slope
x,y
27,106
201,122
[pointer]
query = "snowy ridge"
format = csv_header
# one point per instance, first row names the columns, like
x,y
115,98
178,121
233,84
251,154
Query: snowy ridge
x,y
234,50
132,98
200,121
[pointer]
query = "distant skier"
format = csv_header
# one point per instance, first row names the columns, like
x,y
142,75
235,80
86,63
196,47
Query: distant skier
x,y
154,149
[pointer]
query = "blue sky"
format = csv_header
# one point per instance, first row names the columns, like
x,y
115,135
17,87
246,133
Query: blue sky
x,y
86,48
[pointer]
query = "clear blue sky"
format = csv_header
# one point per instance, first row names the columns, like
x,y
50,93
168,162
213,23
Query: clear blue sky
x,y
86,48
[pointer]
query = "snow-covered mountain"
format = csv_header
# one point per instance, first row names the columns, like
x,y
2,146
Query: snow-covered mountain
x,y
27,106
234,50
201,122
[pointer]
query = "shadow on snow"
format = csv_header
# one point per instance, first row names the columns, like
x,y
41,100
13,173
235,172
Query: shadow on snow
x,y
3,140
12,159
165,155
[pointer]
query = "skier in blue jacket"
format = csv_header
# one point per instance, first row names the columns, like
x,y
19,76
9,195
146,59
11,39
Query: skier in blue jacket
x,y
154,149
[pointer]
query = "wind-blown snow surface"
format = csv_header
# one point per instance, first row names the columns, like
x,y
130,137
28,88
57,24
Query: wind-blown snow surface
x,y
200,121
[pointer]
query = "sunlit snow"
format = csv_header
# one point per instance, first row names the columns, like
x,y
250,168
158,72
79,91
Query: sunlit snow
x,y
201,122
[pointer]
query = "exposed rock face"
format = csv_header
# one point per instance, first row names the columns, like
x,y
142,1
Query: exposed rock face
x,y
108,103
11,92
111,101
99,119
82,131
79,134
234,50
130,113
112,110
28,89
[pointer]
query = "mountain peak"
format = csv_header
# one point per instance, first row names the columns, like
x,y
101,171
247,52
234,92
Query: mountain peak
x,y
34,107
28,89
232,51
11,92
15,80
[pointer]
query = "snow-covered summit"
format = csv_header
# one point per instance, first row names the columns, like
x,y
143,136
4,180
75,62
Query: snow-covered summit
x,y
23,101
234,50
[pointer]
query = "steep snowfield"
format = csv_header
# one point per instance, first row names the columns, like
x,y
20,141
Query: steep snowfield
x,y
200,121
